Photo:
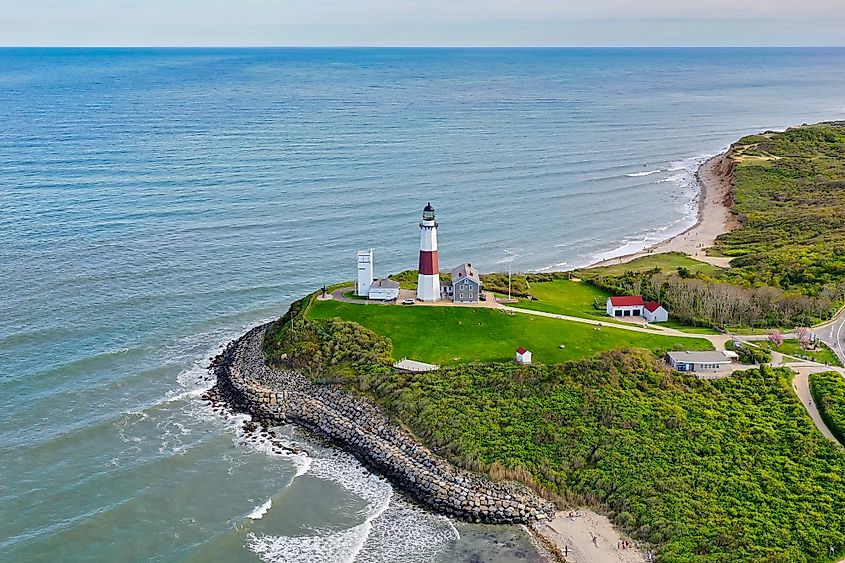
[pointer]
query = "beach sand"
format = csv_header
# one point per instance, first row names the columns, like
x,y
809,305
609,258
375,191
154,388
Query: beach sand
x,y
715,180
572,539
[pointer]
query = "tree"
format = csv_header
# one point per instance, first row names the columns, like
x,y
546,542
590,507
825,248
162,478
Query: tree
x,y
804,335
776,338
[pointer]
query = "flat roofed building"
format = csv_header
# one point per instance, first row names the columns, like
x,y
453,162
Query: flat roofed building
x,y
384,290
698,361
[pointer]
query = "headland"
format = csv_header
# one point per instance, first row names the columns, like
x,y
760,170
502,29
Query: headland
x,y
578,431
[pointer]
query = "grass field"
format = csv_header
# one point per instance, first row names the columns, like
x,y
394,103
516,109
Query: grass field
x,y
668,262
792,348
566,297
451,335
576,299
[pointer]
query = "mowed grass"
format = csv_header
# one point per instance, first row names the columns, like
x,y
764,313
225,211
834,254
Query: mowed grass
x,y
577,299
566,297
453,335
668,261
792,348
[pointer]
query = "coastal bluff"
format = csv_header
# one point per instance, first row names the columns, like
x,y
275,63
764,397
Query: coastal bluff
x,y
246,383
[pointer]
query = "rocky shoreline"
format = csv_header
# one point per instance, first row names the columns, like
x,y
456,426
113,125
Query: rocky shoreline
x,y
247,384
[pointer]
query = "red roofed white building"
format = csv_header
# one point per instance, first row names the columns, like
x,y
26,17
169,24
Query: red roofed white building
x,y
654,312
625,306
523,356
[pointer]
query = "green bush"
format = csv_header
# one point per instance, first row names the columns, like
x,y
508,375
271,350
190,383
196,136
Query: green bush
x,y
828,390
726,471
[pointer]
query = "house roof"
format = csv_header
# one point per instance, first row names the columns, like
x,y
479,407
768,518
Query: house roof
x,y
414,366
652,306
465,271
386,284
626,301
521,350
700,357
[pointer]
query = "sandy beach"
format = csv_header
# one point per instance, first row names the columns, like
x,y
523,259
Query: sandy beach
x,y
715,179
591,537
572,539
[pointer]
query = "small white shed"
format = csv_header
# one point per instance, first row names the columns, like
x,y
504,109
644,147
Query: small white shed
x,y
654,312
523,356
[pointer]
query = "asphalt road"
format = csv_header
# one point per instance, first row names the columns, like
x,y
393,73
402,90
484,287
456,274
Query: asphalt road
x,y
833,335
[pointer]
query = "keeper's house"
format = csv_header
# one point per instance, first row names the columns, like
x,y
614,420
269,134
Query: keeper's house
x,y
466,284
625,306
699,361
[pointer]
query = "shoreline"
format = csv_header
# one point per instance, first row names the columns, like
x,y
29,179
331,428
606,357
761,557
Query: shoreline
x,y
714,217
245,383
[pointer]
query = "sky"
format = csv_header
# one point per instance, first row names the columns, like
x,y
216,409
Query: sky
x,y
422,22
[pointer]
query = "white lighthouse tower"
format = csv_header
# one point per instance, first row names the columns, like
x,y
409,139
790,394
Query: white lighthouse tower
x,y
365,272
428,282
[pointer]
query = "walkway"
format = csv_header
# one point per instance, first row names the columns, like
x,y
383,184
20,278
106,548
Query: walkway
x,y
718,340
801,385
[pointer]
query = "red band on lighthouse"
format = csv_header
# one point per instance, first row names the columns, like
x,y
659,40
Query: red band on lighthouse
x,y
428,262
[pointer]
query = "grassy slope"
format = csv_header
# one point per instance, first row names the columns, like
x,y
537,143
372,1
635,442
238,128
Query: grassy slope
x,y
667,262
449,335
565,297
828,390
718,471
576,299
790,191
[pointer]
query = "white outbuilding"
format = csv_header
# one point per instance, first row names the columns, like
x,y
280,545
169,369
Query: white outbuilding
x,y
523,356
365,272
625,306
383,290
654,312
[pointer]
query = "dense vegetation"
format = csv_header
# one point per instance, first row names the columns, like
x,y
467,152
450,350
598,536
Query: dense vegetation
x,y
451,335
828,390
729,470
712,302
789,192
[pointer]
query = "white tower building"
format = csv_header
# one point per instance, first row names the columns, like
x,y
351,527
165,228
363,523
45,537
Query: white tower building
x,y
365,272
428,282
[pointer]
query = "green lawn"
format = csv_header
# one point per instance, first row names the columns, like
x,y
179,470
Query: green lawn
x,y
792,348
576,299
451,335
668,261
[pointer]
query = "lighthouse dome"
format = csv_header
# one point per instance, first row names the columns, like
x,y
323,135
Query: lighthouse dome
x,y
428,212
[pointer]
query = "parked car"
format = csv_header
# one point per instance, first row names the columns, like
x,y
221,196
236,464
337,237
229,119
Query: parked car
x,y
408,302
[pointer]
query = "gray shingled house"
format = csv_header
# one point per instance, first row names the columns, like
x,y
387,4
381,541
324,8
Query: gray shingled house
x,y
466,285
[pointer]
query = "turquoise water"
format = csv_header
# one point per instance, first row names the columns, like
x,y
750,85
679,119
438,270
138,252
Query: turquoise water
x,y
157,203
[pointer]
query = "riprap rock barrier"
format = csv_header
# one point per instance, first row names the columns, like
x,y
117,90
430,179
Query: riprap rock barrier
x,y
272,396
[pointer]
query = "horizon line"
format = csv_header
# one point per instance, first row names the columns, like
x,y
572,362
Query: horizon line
x,y
270,46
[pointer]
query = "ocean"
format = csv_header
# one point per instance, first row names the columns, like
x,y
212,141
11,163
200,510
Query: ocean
x,y
156,203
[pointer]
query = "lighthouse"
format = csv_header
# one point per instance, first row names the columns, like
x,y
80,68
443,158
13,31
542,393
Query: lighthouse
x,y
428,282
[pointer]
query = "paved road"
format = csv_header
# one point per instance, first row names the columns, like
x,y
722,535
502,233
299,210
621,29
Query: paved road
x,y
833,334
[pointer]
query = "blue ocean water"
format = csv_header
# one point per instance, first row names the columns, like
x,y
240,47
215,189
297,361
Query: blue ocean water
x,y
155,203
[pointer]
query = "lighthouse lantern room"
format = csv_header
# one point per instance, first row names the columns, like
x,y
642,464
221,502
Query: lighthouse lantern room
x,y
428,281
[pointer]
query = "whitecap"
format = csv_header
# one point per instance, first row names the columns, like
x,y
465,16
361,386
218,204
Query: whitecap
x,y
260,510
639,174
